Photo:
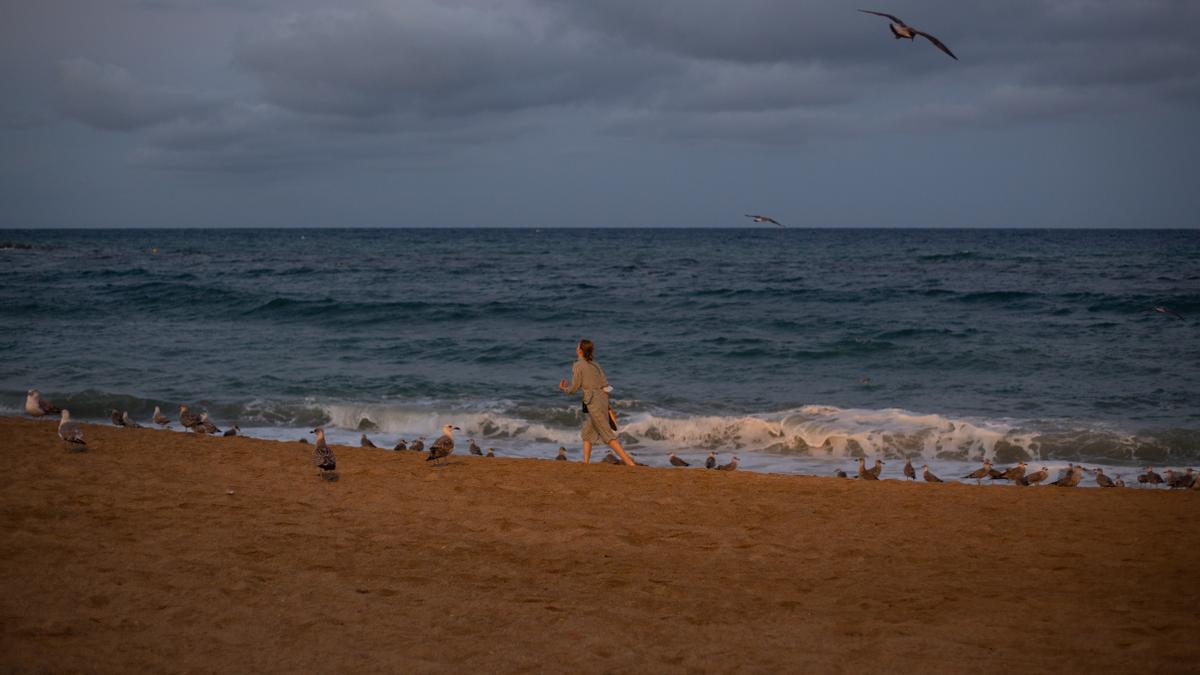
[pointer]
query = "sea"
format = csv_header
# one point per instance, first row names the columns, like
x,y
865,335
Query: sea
x,y
797,350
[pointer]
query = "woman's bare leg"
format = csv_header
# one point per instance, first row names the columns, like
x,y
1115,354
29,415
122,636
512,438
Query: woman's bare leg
x,y
587,451
616,446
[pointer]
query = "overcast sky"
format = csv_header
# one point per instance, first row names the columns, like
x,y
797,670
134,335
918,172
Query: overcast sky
x,y
422,113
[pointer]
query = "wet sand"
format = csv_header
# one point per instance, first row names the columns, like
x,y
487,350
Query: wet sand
x,y
133,556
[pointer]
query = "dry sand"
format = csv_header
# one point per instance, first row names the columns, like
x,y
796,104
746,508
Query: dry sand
x,y
134,557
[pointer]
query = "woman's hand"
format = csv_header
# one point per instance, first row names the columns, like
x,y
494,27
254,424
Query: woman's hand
x,y
562,385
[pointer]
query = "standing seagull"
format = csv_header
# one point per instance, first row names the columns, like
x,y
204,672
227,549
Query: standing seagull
x,y
1071,479
115,417
474,448
929,477
233,431
400,445
36,406
731,466
562,454
877,469
160,419
711,462
675,461
1034,478
1012,474
909,472
763,219
1102,480
188,418
1150,477
863,472
418,445
444,445
903,30
491,452
322,454
70,431
206,426
128,422
982,472
365,442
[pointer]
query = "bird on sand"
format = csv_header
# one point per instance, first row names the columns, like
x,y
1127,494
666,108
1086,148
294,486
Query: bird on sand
x,y
232,431
206,426
160,419
444,445
475,448
127,421
562,454
763,219
1180,480
188,418
929,477
903,30
365,442
36,406
840,473
1169,312
491,452
877,469
1071,479
863,472
322,453
69,430
610,458
731,466
711,461
982,472
909,472
418,445
1012,473
675,461
1118,481
1033,478
1150,477
1102,480
116,417
400,445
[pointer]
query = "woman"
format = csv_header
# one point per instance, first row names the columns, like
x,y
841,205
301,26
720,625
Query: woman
x,y
587,375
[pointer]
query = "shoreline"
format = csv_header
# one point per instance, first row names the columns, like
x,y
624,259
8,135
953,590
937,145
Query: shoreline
x,y
134,555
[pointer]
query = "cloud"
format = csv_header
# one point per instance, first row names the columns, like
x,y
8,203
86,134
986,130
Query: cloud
x,y
107,97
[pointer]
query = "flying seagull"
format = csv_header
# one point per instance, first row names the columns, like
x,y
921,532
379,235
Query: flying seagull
x,y
1169,312
763,219
903,30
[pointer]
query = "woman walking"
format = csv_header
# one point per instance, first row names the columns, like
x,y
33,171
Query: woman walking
x,y
587,375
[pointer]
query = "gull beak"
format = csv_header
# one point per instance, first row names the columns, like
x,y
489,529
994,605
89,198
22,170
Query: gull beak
x,y
457,429
313,431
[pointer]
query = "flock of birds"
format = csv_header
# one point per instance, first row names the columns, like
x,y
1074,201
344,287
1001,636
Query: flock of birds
x,y
443,447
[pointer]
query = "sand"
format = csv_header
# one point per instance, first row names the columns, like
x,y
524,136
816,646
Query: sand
x,y
135,557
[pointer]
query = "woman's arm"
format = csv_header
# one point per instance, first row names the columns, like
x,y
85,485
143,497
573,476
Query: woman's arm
x,y
576,379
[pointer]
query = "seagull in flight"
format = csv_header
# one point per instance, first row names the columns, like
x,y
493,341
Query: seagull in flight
x,y
903,30
1168,311
763,219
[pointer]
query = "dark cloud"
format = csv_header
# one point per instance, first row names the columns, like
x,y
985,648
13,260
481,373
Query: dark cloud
x,y
108,97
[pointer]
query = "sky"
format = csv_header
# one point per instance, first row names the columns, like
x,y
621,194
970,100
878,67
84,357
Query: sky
x,y
597,113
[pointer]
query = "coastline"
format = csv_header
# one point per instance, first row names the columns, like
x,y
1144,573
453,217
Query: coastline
x,y
134,555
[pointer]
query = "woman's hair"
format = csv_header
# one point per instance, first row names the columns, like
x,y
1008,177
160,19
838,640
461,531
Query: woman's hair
x,y
587,348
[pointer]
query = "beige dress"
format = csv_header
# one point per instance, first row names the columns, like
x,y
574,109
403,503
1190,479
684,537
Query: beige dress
x,y
588,376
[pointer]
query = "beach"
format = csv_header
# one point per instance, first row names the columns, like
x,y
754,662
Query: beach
x,y
157,550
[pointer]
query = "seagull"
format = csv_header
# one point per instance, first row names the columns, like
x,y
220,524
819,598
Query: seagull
x,y
206,426
127,422
115,416
187,418
400,445
1034,478
36,406
711,462
322,454
562,454
877,469
444,445
1180,480
1120,483
232,431
1150,477
763,219
418,445
1169,312
1071,479
840,474
675,461
70,431
863,472
903,30
160,419
491,452
731,466
610,458
1102,480
1012,473
909,472
929,477
365,442
981,472
474,448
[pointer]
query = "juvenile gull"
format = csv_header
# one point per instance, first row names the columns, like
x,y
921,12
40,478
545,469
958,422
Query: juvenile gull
x,y
233,431
863,472
1175,481
903,30
877,469
1071,479
116,417
206,426
70,431
982,472
909,472
400,445
126,421
1120,483
1034,478
474,449
840,474
929,477
491,452
711,462
188,418
418,445
763,219
1150,477
1012,473
562,454
675,461
610,458
160,419
322,454
36,406
444,445
1102,480
731,466
365,442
